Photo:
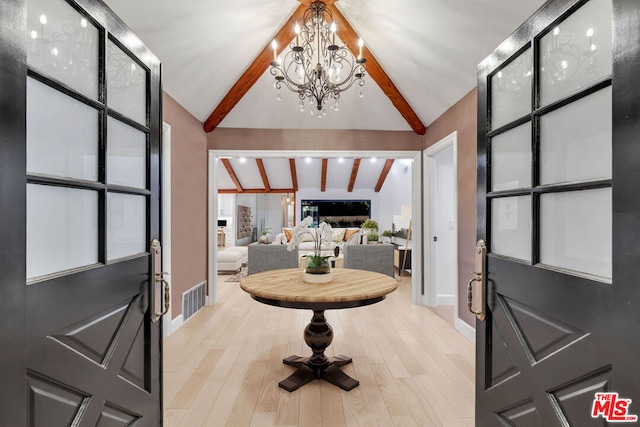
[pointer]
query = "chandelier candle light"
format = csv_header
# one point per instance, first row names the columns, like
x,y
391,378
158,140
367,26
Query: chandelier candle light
x,y
316,68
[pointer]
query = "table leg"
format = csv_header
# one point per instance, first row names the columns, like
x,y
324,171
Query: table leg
x,y
318,335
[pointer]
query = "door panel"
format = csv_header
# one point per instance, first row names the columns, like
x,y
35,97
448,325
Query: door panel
x,y
562,299
80,347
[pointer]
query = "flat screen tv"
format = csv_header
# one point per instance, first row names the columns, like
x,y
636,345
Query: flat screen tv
x,y
337,213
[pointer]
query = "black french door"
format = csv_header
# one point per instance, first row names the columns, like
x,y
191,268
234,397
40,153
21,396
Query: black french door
x,y
79,202
559,210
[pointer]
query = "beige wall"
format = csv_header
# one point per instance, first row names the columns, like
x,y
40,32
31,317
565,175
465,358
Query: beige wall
x,y
462,117
295,139
188,201
189,177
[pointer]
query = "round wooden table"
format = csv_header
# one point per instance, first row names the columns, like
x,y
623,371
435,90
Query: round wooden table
x,y
349,288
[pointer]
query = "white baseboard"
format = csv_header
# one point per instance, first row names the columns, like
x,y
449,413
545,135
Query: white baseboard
x,y
467,331
172,326
445,300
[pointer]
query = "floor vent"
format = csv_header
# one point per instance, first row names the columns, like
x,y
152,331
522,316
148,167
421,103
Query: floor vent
x,y
193,300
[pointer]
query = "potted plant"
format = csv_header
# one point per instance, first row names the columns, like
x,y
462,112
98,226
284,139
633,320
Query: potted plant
x,y
316,262
372,236
387,235
369,226
264,236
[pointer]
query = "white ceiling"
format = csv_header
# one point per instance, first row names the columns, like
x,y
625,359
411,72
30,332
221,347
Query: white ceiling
x,y
429,48
308,172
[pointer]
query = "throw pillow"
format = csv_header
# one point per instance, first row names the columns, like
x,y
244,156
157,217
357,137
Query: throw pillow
x,y
337,235
288,233
350,232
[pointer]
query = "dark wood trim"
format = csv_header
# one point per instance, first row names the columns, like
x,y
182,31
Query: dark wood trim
x,y
294,174
349,36
254,72
263,175
383,174
232,174
509,126
323,179
255,191
354,174
600,84
67,90
572,186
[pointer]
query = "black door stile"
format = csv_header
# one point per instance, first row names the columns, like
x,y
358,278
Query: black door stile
x,y
12,211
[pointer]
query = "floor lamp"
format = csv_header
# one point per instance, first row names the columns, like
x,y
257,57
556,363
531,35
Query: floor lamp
x,y
406,215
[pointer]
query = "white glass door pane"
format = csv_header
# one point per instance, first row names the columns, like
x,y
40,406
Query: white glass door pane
x,y
575,140
511,227
126,155
511,91
126,225
62,134
63,44
126,84
62,229
577,52
576,231
511,159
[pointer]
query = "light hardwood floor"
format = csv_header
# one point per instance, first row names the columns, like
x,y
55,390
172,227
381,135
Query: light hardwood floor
x,y
222,367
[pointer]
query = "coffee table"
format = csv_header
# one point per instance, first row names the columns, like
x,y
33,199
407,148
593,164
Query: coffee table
x,y
349,288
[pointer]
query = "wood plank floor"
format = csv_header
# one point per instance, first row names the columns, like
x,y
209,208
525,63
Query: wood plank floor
x,y
222,367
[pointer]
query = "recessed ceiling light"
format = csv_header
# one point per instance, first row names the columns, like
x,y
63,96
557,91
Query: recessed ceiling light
x,y
373,160
308,159
243,160
340,159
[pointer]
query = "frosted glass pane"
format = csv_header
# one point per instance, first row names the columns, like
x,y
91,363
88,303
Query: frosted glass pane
x,y
511,227
575,140
511,159
577,52
63,44
62,134
62,229
126,225
126,84
576,231
126,155
511,91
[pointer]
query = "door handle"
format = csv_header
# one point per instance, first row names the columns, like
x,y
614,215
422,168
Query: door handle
x,y
481,277
157,278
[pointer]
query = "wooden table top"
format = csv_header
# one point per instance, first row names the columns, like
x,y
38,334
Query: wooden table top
x,y
348,285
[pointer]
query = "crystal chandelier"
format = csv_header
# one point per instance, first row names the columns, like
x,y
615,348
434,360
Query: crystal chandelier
x,y
316,68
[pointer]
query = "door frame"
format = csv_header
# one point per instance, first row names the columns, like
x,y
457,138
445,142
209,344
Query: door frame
x,y
417,285
169,324
430,204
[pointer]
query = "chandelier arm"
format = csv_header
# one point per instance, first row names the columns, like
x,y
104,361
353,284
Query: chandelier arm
x,y
313,66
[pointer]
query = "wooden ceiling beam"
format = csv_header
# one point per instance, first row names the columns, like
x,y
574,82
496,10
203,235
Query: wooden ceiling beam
x,y
348,35
254,72
323,180
255,191
232,174
263,174
308,2
354,174
383,174
294,174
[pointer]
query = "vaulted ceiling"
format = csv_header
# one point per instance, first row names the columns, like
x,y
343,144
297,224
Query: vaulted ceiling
x,y
429,49
422,58
287,175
